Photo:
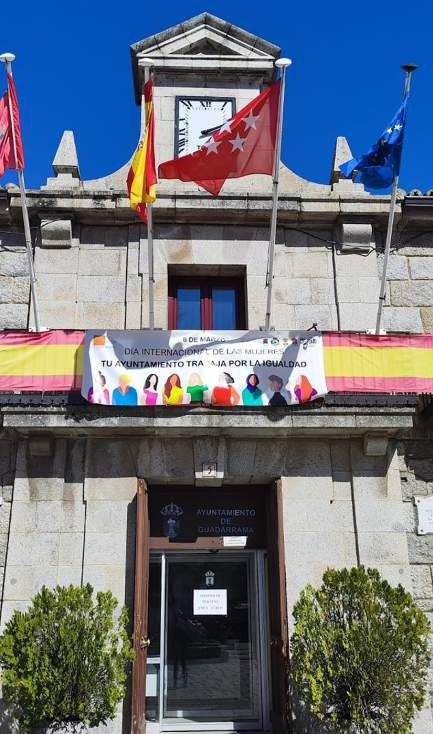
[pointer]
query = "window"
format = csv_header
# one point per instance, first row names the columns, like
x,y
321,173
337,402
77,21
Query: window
x,y
206,303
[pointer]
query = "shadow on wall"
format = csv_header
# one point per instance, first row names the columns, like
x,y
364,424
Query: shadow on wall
x,y
8,725
301,720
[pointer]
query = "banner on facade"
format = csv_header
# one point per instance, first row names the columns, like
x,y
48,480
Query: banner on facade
x,y
52,361
48,361
387,363
221,368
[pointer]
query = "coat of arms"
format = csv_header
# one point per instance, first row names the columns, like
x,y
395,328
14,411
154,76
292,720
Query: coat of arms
x,y
171,520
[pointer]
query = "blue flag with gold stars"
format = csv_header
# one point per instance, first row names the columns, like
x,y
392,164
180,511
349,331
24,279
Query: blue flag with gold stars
x,y
377,168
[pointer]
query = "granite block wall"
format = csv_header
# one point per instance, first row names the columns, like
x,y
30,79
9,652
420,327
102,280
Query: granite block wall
x,y
101,279
416,470
97,277
409,298
14,281
68,525
73,512
346,509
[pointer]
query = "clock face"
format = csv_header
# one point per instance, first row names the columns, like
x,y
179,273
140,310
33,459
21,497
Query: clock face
x,y
197,118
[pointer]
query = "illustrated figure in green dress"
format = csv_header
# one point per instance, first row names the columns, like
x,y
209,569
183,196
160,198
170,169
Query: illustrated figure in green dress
x,y
196,388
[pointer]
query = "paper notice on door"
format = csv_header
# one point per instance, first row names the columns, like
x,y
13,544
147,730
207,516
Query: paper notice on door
x,y
235,541
210,602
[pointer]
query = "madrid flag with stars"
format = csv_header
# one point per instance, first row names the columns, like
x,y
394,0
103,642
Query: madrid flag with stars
x,y
242,146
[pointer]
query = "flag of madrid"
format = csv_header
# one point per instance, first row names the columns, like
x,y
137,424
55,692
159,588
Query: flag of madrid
x,y
242,146
8,112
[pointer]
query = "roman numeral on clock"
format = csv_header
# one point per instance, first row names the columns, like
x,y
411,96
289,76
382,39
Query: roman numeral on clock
x,y
197,118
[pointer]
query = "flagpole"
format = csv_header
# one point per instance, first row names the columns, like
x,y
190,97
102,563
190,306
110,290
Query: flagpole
x,y
409,69
147,63
280,64
7,58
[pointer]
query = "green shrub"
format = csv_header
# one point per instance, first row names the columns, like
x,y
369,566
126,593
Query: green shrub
x,y
360,653
64,661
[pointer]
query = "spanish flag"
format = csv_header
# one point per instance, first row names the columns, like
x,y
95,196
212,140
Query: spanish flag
x,y
141,181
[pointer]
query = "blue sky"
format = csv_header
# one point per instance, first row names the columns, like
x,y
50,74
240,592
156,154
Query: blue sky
x,y
73,72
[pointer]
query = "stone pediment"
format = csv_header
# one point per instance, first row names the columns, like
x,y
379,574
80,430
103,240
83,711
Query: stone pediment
x,y
208,47
205,43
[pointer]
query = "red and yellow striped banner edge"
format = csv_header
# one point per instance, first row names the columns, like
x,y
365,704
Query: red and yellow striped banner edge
x,y
41,362
53,361
369,363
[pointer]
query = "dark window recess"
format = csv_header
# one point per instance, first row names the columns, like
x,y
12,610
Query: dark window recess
x,y
206,303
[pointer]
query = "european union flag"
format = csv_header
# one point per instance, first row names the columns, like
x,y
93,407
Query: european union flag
x,y
381,163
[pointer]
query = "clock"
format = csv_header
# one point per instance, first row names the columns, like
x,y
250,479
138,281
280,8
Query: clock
x,y
197,118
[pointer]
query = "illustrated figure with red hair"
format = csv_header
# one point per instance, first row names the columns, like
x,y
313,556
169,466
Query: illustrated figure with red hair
x,y
303,390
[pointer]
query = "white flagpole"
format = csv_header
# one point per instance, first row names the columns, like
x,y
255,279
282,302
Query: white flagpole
x,y
281,64
7,58
147,63
409,69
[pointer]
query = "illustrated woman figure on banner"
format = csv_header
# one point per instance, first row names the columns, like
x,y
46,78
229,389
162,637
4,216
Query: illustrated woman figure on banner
x,y
251,394
125,394
225,392
303,390
173,391
150,392
196,389
276,385
99,394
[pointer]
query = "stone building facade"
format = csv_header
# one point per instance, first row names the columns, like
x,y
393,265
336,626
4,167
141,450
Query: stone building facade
x,y
349,468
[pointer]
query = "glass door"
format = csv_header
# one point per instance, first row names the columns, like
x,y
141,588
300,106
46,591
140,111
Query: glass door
x,y
153,676
205,665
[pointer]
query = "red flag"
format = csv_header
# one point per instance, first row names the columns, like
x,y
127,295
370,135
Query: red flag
x,y
8,111
243,145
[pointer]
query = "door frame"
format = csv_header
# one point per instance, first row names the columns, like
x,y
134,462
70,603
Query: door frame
x,y
278,618
141,596
262,641
277,654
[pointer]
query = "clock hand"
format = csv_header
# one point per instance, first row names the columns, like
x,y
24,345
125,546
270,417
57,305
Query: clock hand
x,y
210,130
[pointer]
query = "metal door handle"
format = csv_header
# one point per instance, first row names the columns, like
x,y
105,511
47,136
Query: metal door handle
x,y
144,642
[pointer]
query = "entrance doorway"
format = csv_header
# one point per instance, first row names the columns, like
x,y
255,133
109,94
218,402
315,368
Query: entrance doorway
x,y
210,615
207,664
